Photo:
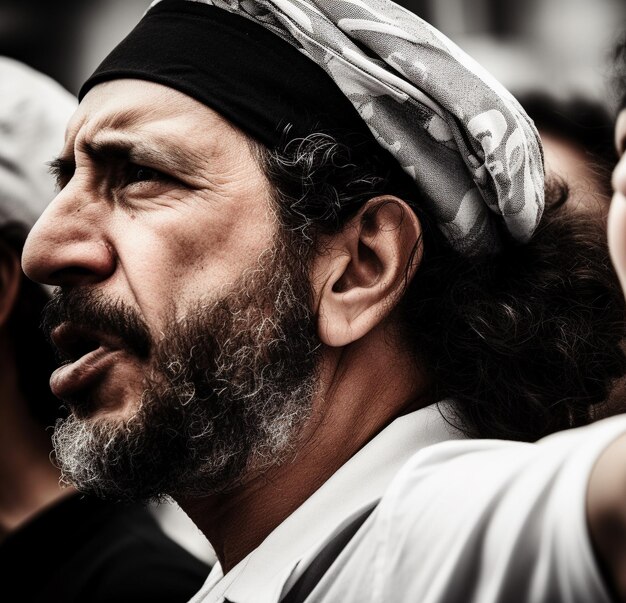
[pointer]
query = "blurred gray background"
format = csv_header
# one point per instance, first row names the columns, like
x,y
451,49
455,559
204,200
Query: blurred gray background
x,y
561,46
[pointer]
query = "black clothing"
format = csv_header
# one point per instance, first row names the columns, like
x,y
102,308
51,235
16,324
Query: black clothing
x,y
85,550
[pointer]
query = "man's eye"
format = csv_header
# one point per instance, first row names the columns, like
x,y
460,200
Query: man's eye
x,y
138,173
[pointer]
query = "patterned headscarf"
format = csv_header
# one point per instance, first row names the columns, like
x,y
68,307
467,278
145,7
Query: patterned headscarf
x,y
463,138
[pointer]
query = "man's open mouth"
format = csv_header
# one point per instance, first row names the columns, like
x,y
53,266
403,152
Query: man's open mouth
x,y
88,354
74,342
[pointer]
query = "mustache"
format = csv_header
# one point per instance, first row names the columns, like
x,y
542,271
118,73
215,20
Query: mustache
x,y
92,311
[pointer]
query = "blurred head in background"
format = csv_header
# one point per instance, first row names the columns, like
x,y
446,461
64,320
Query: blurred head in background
x,y
577,136
617,214
34,111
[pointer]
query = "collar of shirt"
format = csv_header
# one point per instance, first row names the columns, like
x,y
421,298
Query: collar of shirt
x,y
261,577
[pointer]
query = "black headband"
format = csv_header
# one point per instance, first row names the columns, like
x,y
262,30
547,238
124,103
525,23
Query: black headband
x,y
249,75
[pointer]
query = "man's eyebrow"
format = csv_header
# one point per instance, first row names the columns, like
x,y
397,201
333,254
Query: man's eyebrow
x,y
138,151
160,156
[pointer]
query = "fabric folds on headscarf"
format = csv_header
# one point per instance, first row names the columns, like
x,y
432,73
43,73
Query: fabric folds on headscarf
x,y
472,151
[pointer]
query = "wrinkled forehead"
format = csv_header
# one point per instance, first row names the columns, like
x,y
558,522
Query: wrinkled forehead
x,y
142,109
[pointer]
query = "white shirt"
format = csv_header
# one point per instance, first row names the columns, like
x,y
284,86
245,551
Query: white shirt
x,y
458,521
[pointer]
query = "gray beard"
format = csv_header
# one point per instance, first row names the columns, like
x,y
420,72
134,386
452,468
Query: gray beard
x,y
227,391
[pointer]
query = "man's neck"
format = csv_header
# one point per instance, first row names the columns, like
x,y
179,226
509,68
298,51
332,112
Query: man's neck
x,y
364,387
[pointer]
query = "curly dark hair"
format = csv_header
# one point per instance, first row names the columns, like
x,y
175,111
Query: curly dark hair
x,y
34,356
526,342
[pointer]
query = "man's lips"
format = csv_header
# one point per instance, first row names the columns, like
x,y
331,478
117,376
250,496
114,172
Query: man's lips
x,y
71,378
90,355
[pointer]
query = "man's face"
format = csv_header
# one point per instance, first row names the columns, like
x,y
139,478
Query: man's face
x,y
182,319
617,213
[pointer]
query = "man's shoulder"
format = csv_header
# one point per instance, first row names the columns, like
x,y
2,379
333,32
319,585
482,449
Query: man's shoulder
x,y
468,518
476,469
446,488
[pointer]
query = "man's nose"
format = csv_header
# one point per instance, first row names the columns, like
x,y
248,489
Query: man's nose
x,y
67,246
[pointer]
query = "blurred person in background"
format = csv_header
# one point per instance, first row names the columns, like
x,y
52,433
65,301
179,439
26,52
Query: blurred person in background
x,y
578,142
56,545
617,213
608,535
577,137
294,337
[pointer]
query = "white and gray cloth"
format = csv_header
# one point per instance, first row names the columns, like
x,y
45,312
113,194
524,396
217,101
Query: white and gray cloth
x,y
488,521
468,144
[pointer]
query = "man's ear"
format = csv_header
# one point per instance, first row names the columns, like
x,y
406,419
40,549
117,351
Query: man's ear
x,y
10,278
361,272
